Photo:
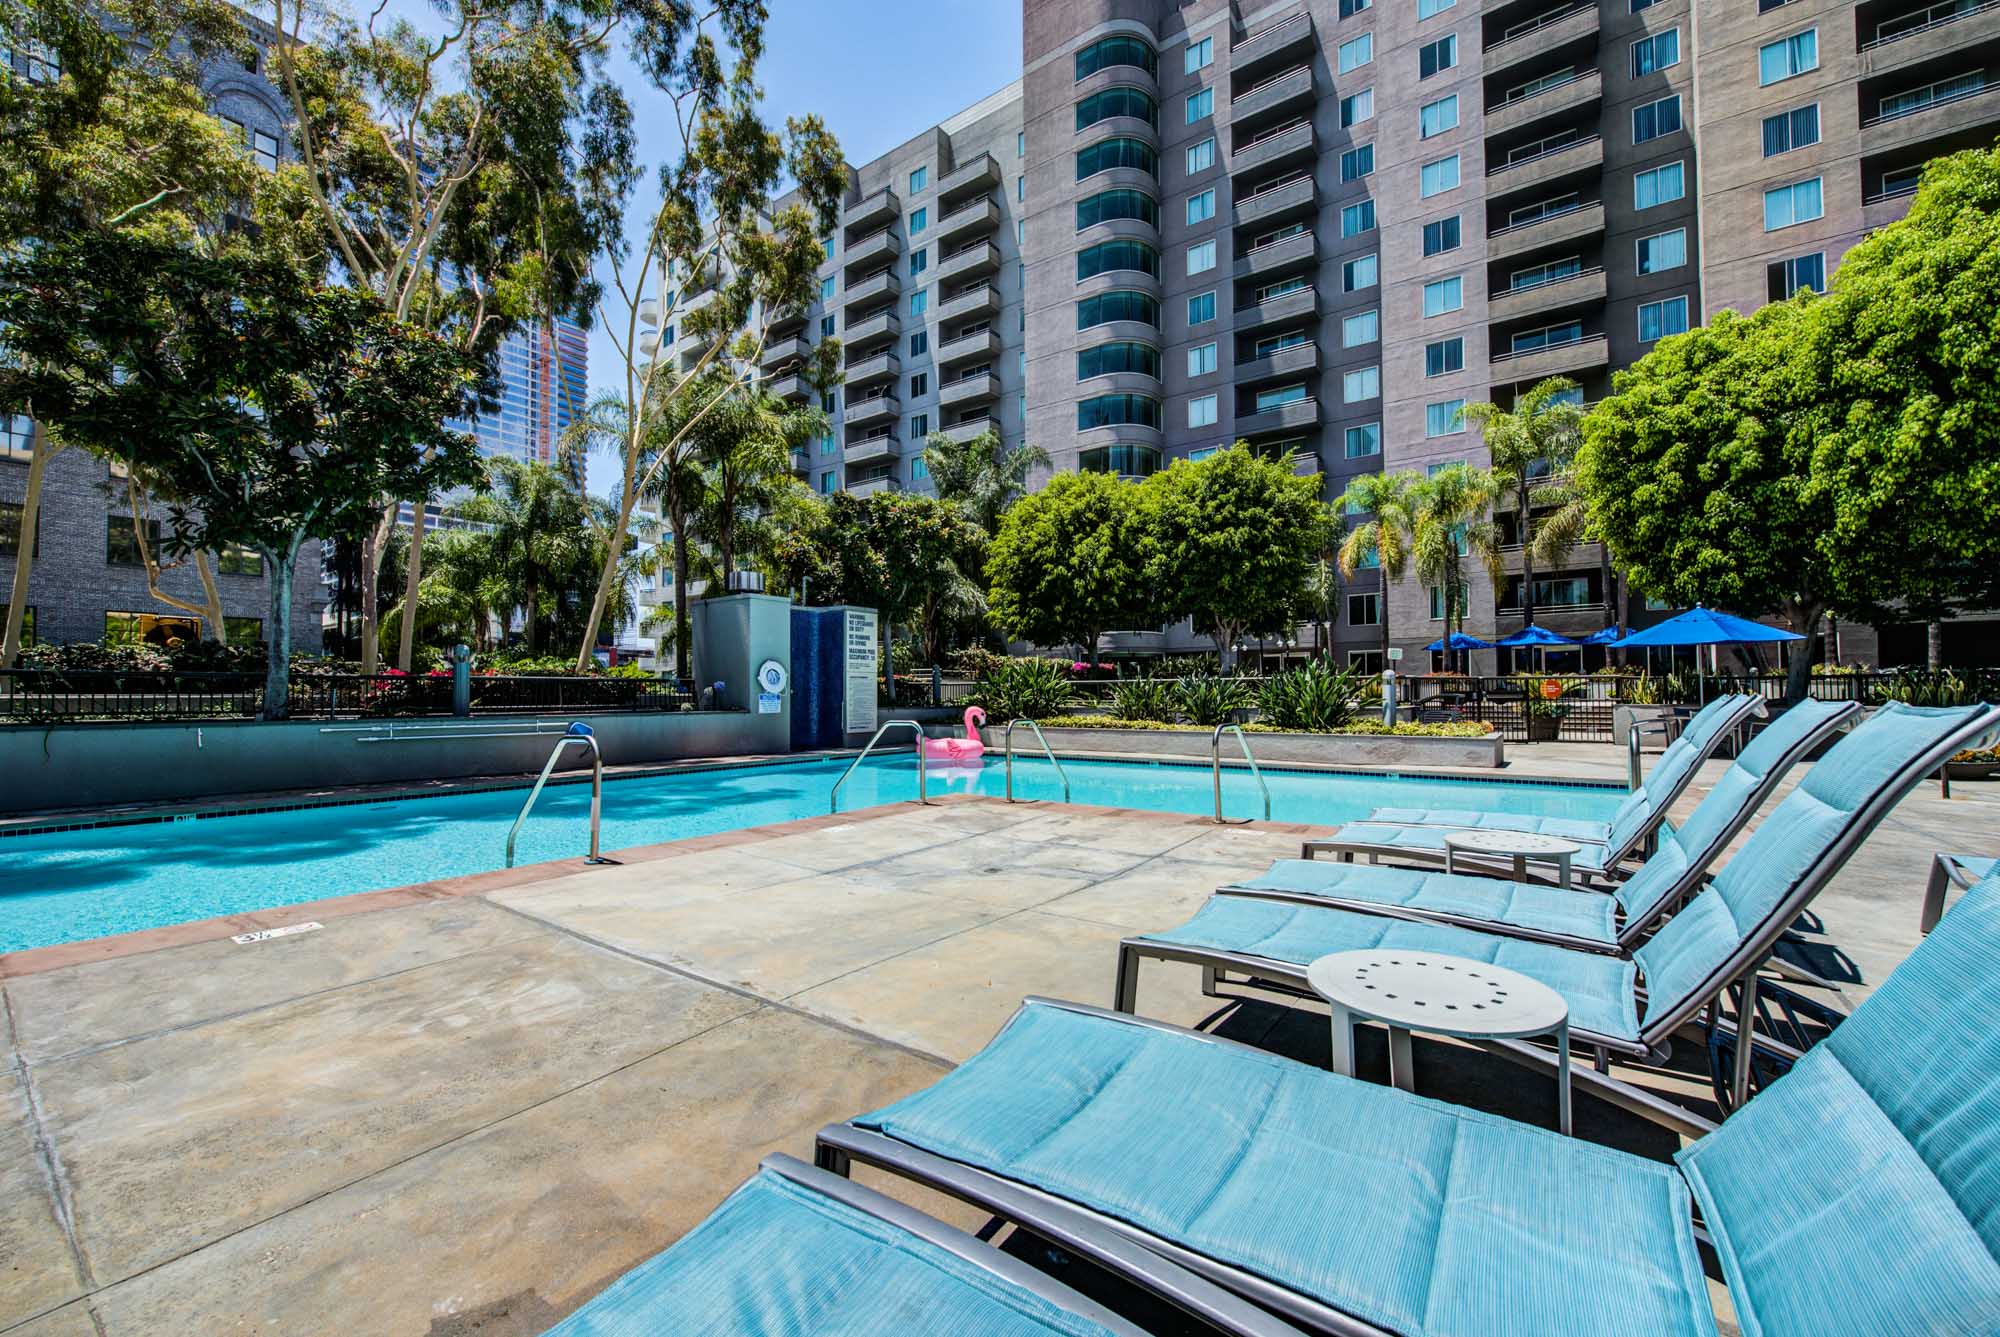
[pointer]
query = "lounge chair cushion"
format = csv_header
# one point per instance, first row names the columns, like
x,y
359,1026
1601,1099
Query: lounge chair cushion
x,y
1430,840
1861,1192
1587,916
776,1258
1406,1212
1599,988
1563,828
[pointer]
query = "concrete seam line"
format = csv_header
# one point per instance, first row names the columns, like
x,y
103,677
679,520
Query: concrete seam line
x,y
46,1155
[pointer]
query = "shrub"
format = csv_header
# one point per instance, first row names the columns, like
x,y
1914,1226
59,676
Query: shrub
x,y
1211,701
1313,698
1142,699
976,661
88,656
1448,729
1012,688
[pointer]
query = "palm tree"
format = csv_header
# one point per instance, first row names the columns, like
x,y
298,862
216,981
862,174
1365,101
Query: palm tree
x,y
979,475
1534,447
746,446
540,532
1384,536
1452,510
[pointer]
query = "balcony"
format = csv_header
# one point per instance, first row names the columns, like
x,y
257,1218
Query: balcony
x,y
1297,416
965,431
969,390
1516,113
1550,33
792,387
873,251
983,346
1913,37
1971,98
870,486
1298,360
876,408
1571,225
649,310
1291,37
1547,296
867,333
1282,92
1277,148
872,210
1579,355
874,290
860,450
978,259
882,367
801,463
980,216
983,300
982,173
1300,305
1546,165
1274,259
780,351
1274,204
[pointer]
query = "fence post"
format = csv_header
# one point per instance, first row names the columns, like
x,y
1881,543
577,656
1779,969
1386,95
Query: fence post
x,y
461,680
1389,696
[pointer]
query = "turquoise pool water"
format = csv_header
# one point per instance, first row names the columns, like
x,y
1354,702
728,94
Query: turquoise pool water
x,y
67,885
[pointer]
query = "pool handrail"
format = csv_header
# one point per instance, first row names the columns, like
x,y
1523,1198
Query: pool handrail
x,y
1215,766
923,770
596,792
1047,751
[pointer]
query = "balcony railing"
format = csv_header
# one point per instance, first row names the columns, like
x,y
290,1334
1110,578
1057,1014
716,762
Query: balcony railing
x,y
1924,20
1575,77
1535,25
1940,94
1550,151
1271,82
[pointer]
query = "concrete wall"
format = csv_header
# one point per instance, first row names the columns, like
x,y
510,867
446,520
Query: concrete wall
x,y
97,765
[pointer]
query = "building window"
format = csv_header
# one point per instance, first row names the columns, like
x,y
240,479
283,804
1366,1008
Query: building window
x,y
1198,56
1362,383
1785,206
920,302
1663,250
918,469
1656,118
1201,359
1201,411
1434,118
1278,398
1349,8
919,220
1790,130
264,149
1659,52
1788,57
10,530
121,540
1549,336
1105,307
826,290
1364,441
1201,157
1357,163
1125,254
1201,207
920,385
1364,610
920,260
1120,50
1020,143
1661,185
1201,257
826,482
1444,418
17,437
1117,152
1786,277
1440,176
1441,235
152,629
1444,357
1116,411
1357,107
1109,359
827,244
27,622
1021,187
920,426
1355,53
1437,57
1356,219
1358,273
919,179
1443,295
920,343
237,560
1107,205
1363,327
1201,308
1659,319
1200,105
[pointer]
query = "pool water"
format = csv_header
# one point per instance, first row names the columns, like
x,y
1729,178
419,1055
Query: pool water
x,y
68,885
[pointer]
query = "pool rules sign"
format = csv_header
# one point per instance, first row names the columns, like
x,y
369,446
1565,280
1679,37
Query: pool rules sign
x,y
861,670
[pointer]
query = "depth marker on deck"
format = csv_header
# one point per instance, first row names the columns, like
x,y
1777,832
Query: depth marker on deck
x,y
265,934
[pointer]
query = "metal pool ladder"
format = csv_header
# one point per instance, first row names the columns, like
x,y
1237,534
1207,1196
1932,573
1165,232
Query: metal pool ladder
x,y
1046,751
584,739
923,770
1215,766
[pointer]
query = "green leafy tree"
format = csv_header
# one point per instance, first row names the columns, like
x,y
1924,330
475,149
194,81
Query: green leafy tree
x,y
906,555
1452,522
541,545
1070,564
980,474
745,448
1234,540
271,410
1383,538
1533,447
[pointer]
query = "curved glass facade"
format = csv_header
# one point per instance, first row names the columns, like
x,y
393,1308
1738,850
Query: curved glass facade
x,y
1106,154
1117,411
1123,253
1105,359
1104,307
1106,205
1122,49
1112,102
1124,459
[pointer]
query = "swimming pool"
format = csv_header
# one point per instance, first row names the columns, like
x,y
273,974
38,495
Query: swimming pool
x,y
62,886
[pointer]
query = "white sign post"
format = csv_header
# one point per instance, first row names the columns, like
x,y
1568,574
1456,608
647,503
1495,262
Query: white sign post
x,y
862,658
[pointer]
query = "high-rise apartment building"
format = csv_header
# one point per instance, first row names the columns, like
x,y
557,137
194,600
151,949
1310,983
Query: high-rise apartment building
x,y
1324,226
544,370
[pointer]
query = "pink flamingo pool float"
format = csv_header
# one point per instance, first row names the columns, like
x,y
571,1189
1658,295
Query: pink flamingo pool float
x,y
961,751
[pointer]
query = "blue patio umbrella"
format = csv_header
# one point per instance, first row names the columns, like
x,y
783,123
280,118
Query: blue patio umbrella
x,y
1534,635
1707,626
1610,635
1459,641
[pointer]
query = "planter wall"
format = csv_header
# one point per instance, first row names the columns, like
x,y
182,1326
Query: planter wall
x,y
1305,749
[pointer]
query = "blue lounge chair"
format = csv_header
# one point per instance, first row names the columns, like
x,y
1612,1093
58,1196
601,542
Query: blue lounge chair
x,y
1417,834
796,1250
1723,936
1860,1193
1589,920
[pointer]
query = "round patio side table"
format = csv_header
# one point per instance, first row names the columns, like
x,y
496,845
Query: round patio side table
x,y
1520,846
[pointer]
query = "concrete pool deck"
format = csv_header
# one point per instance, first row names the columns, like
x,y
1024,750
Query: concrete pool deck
x,y
466,1107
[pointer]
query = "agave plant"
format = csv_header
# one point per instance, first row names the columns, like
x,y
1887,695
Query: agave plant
x,y
1142,699
1211,701
1313,698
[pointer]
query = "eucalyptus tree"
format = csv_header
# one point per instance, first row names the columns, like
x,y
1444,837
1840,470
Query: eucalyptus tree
x,y
1383,537
1533,447
1451,521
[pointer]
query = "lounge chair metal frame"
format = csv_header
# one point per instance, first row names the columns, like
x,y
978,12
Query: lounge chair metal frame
x,y
1629,933
1739,967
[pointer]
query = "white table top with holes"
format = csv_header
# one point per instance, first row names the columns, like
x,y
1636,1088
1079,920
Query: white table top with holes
x,y
1520,846
1440,995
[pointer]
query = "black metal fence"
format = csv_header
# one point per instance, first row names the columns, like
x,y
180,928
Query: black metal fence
x,y
35,695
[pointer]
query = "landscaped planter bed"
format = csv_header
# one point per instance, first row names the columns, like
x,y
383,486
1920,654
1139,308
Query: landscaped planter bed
x,y
1307,749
